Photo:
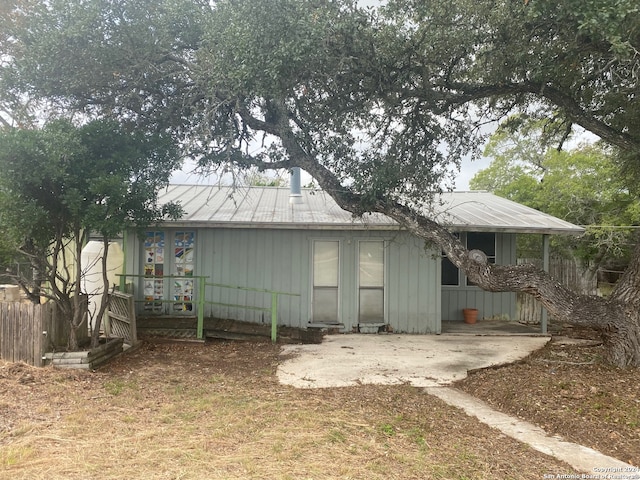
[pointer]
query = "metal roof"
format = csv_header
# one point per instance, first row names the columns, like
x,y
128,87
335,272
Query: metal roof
x,y
483,211
269,207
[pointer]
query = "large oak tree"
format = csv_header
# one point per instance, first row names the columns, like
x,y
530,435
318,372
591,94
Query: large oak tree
x,y
377,105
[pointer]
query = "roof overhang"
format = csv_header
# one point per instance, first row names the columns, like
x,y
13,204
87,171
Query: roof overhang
x,y
209,206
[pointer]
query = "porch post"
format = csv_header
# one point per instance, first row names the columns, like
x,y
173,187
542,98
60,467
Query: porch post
x,y
545,267
200,306
123,278
274,317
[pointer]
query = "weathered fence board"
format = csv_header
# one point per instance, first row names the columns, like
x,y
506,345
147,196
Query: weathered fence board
x,y
86,359
36,334
566,271
23,328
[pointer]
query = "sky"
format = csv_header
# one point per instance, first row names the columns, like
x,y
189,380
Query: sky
x,y
468,170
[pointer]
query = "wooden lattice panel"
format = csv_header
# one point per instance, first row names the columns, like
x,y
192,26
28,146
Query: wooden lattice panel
x,y
122,317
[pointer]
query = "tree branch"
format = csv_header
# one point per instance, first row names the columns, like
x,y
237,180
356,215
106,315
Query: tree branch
x,y
573,109
558,299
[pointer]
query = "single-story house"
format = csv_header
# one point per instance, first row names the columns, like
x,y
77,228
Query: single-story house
x,y
353,274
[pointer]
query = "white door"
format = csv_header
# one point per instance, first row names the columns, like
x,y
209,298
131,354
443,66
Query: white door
x,y
371,282
326,279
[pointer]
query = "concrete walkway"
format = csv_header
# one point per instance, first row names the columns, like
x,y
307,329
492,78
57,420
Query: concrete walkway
x,y
434,362
581,458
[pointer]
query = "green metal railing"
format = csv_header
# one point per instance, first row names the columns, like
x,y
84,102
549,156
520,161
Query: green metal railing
x,y
201,299
273,308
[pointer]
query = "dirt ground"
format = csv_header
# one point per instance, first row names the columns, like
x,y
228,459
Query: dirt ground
x,y
566,389
192,411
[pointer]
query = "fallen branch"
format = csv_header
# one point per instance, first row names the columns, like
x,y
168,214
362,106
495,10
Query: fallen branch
x,y
563,362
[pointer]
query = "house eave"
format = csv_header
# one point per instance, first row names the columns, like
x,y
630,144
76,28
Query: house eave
x,y
283,226
519,230
369,227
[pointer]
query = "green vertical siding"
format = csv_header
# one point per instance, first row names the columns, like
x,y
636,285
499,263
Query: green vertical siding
x,y
490,305
413,287
281,260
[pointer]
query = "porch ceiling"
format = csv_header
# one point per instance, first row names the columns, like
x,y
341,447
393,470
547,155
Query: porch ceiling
x,y
269,207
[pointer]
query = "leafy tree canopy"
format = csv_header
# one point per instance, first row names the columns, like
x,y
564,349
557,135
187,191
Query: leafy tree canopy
x,y
61,182
377,105
387,100
581,185
96,177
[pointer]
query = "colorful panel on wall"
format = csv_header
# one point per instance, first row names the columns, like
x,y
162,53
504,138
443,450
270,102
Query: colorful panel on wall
x,y
184,243
153,267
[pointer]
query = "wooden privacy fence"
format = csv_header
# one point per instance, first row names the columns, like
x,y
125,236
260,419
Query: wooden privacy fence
x,y
26,330
568,272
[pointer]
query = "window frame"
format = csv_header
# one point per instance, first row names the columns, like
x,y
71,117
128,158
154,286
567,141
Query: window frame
x,y
382,287
338,287
491,257
463,280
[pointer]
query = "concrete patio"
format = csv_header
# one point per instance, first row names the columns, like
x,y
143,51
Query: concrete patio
x,y
489,327
434,362
421,360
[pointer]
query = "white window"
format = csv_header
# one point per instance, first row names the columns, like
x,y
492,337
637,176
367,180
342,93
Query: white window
x,y
485,242
371,281
475,241
326,279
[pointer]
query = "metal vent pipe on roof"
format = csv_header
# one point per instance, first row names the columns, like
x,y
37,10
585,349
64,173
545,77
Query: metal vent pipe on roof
x,y
295,195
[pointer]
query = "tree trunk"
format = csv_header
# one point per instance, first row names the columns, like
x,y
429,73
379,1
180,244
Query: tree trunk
x,y
78,308
65,308
616,317
622,341
72,341
77,319
104,298
621,333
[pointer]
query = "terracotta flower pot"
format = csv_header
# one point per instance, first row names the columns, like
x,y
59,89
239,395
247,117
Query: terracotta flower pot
x,y
470,315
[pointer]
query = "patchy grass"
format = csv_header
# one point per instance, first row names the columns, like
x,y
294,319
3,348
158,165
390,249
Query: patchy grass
x,y
216,411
